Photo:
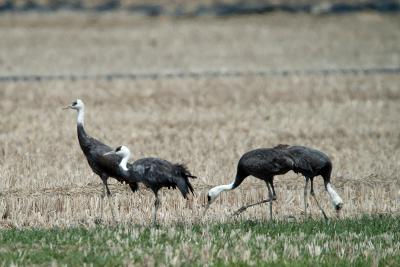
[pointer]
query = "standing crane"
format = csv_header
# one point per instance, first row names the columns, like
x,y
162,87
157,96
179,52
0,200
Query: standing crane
x,y
155,174
265,163
94,150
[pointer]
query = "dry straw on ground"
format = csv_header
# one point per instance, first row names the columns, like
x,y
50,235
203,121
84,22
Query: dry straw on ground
x,y
206,123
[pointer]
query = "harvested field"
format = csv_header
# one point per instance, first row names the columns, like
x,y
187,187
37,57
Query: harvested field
x,y
208,124
73,43
205,122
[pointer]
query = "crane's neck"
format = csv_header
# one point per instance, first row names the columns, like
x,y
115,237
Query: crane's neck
x,y
84,139
124,162
81,115
335,198
221,188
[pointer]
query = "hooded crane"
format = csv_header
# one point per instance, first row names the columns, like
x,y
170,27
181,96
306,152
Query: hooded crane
x,y
265,163
155,174
94,150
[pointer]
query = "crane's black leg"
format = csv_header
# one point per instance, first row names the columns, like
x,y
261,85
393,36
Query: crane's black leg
x,y
107,190
313,195
102,195
305,196
273,189
270,195
270,183
157,203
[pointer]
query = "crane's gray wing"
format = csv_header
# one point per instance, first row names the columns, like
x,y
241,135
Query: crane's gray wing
x,y
303,159
302,165
109,163
153,170
156,173
265,162
99,146
281,164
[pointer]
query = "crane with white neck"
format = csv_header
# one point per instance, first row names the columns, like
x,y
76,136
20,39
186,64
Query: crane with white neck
x,y
94,150
155,174
265,163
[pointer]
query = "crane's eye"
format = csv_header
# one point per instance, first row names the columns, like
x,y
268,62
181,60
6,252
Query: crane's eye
x,y
74,103
118,149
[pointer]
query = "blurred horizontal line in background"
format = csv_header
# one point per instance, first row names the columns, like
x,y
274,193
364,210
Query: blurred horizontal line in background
x,y
202,7
200,74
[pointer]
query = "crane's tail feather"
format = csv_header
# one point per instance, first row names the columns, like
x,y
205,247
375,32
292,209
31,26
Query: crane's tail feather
x,y
182,171
134,186
190,187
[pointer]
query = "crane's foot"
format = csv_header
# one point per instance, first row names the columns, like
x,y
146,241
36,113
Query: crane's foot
x,y
242,209
109,194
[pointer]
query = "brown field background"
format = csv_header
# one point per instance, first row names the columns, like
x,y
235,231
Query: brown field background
x,y
208,123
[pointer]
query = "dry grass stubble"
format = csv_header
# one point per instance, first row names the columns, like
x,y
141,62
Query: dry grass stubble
x,y
208,124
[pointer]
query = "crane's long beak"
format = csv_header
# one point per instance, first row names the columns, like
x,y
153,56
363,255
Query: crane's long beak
x,y
109,153
338,214
338,209
67,107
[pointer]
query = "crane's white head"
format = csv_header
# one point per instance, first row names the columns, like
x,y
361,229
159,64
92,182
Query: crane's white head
x,y
214,193
123,152
77,105
337,201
